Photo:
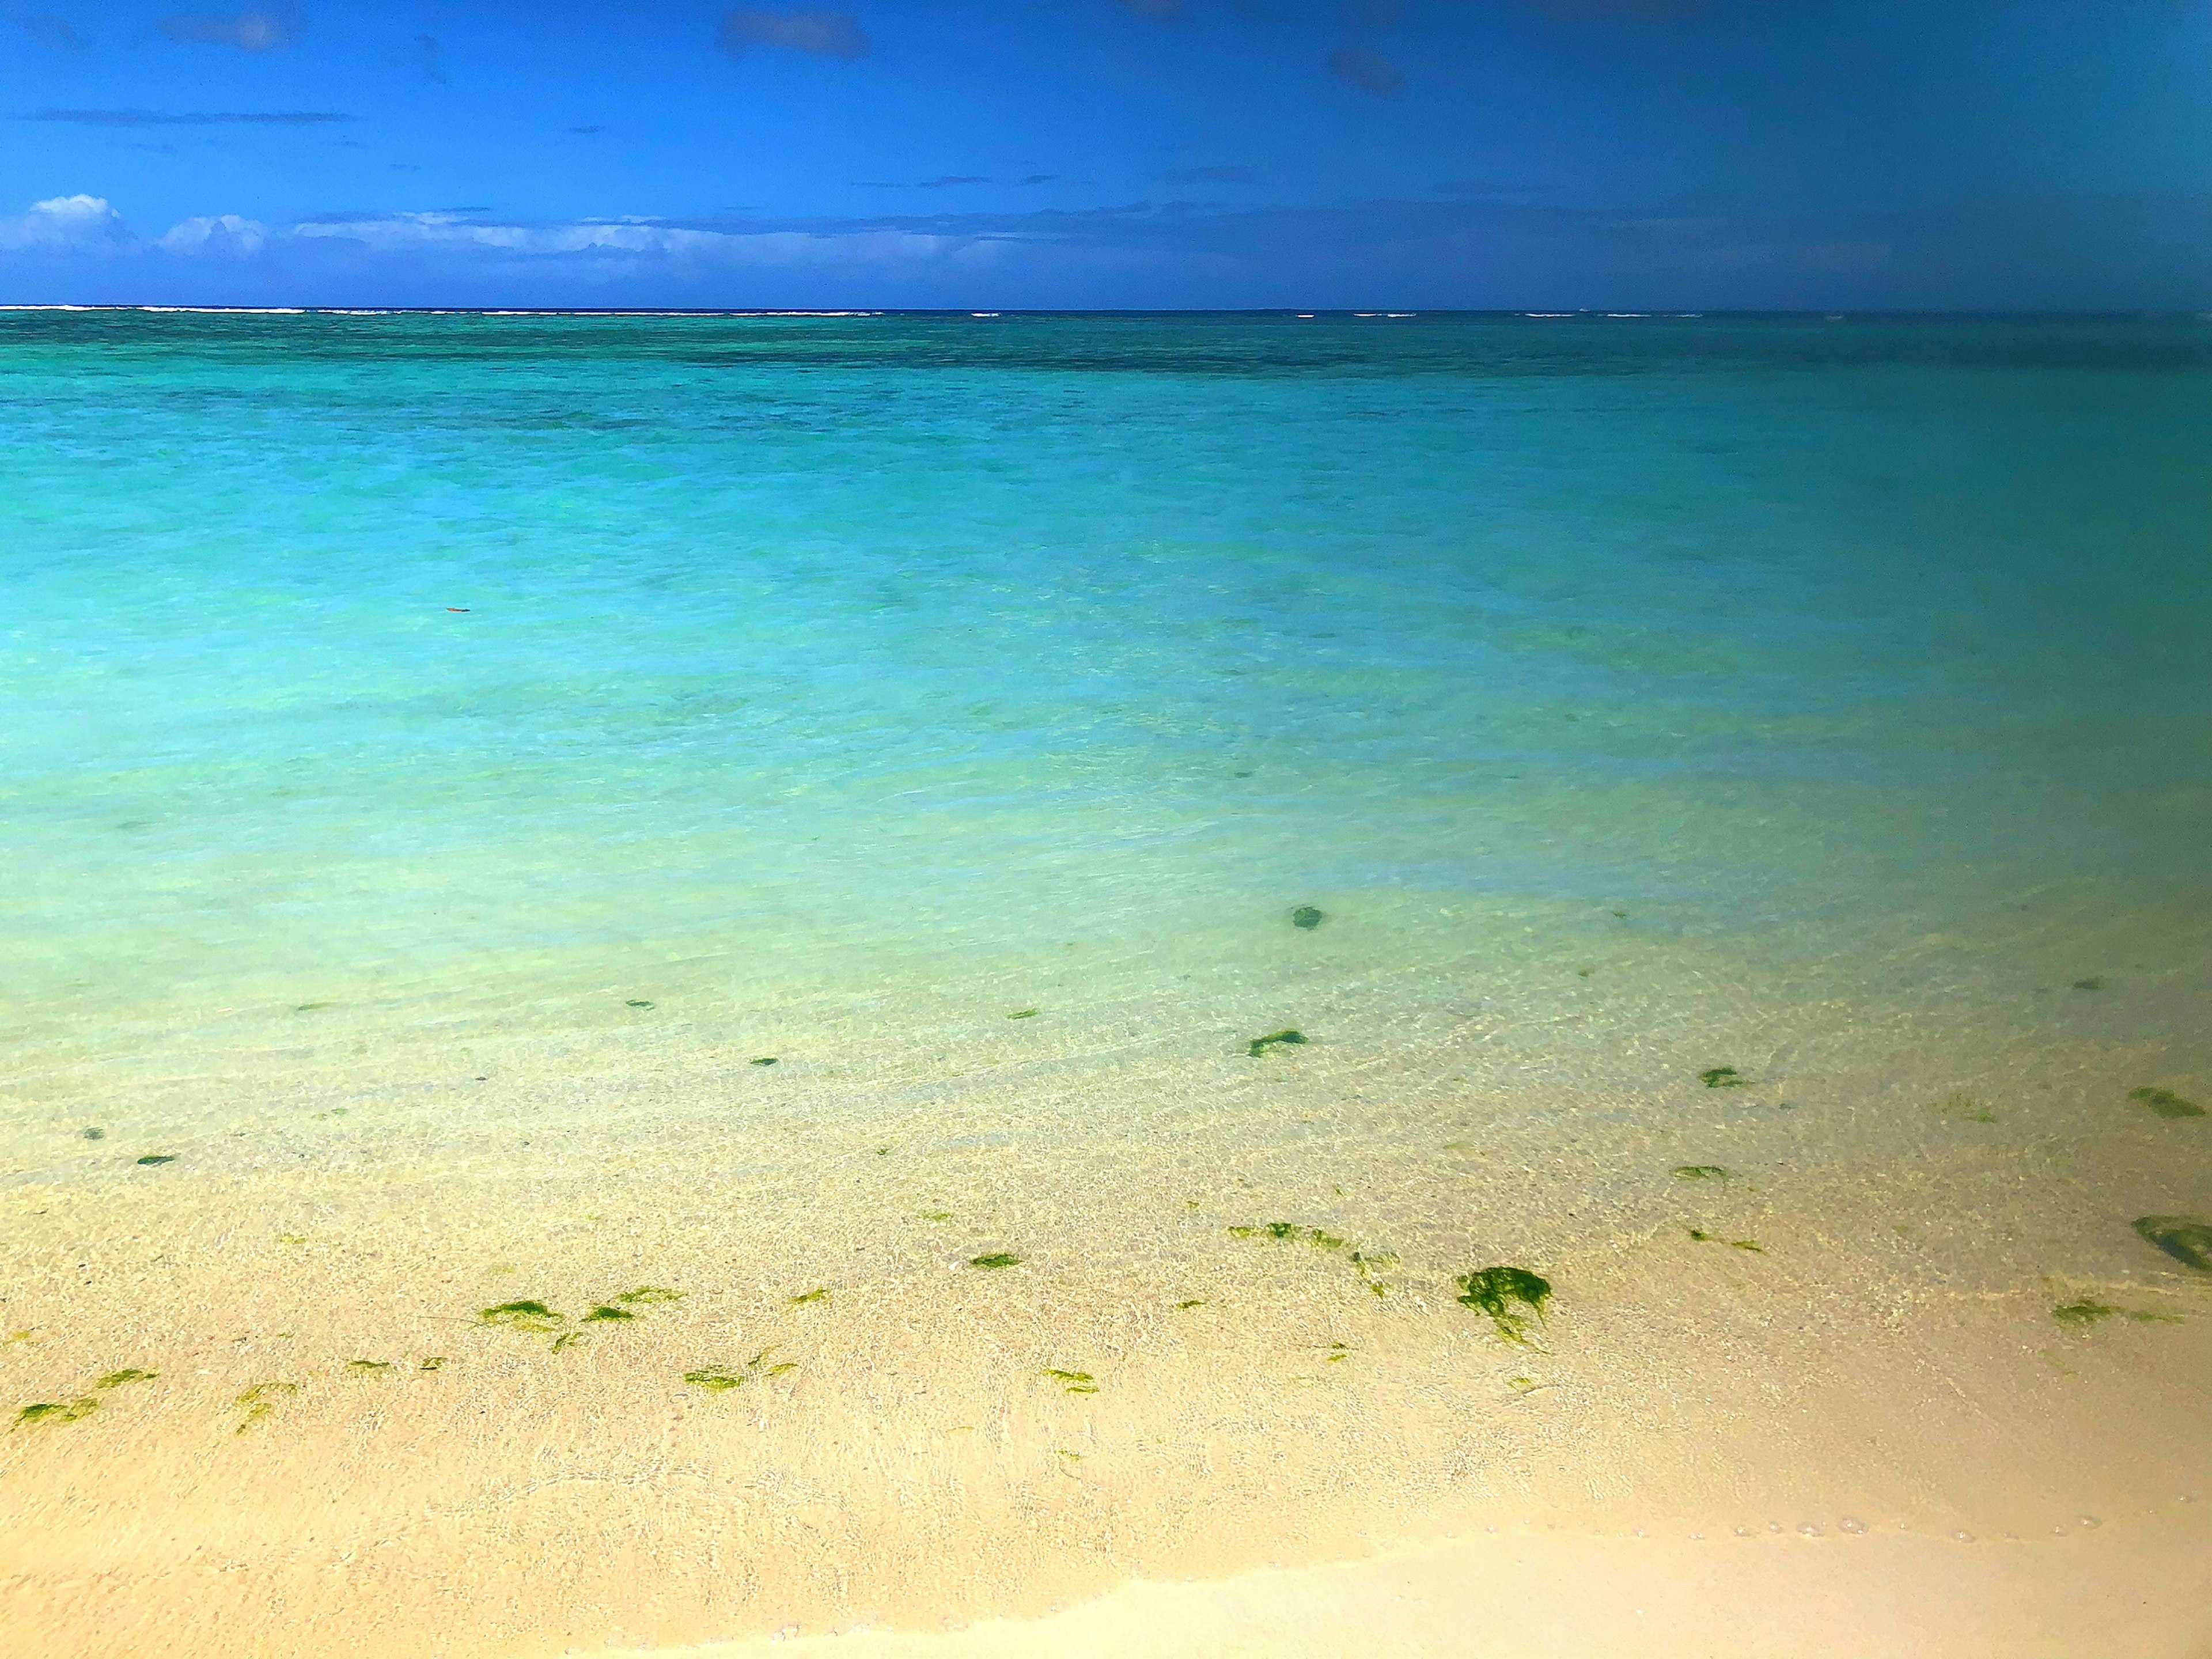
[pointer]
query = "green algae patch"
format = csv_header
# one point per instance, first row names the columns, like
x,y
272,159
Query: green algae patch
x,y
934,1215
996,1259
2165,1102
2082,1315
93,1134
1960,1104
819,1293
1287,1036
608,1311
2185,1238
1022,1013
1699,1172
1723,1077
152,1158
2093,984
310,1007
533,1316
1498,1292
56,1411
368,1365
765,1060
1194,1302
436,1362
637,1002
117,1379
1308,917
1073,1382
649,1295
568,1340
260,1400
717,1379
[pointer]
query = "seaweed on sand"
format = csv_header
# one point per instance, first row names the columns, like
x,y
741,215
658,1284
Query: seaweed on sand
x,y
1308,917
1287,1036
533,1317
1959,1103
607,1310
152,1158
647,1294
260,1400
1073,1382
2165,1102
56,1411
1699,1172
2083,1314
129,1374
1751,1244
995,1259
1287,1231
2185,1238
716,1378
1497,1290
819,1293
1723,1077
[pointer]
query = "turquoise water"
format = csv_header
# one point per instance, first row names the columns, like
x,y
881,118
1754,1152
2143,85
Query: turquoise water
x,y
430,652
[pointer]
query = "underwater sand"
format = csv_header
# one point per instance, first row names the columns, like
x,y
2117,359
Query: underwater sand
x,y
1791,995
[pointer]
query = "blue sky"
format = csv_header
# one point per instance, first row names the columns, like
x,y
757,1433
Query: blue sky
x,y
1541,154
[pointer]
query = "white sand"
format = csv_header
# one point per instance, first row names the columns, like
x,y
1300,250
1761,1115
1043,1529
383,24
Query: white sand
x,y
1887,1357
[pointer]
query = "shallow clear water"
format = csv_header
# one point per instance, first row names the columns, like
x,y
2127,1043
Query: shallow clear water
x,y
342,651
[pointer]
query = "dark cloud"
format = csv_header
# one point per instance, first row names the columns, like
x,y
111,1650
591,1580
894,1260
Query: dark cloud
x,y
588,131
1229,175
1370,14
248,31
824,34
1037,178
147,118
429,54
940,182
1658,10
1369,71
53,34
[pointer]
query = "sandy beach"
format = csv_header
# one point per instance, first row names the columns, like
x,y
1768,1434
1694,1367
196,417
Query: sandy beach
x,y
673,1346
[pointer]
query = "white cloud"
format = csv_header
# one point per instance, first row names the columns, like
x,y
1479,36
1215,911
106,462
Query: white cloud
x,y
824,34
248,31
617,245
225,236
67,224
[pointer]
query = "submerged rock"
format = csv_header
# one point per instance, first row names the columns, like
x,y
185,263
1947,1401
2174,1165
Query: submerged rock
x,y
1306,916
